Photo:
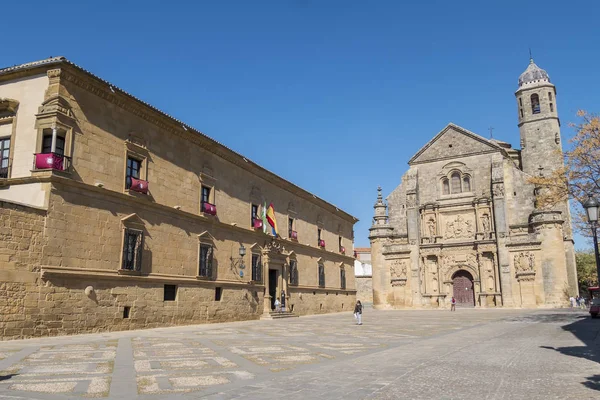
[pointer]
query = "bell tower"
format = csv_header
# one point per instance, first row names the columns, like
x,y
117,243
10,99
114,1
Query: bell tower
x,y
541,149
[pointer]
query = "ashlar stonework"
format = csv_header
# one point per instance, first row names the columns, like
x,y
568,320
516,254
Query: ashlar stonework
x,y
464,221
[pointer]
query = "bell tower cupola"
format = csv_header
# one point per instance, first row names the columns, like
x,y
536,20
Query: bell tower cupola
x,y
539,124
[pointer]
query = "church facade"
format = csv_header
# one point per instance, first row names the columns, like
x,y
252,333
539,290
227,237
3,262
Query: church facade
x,y
464,222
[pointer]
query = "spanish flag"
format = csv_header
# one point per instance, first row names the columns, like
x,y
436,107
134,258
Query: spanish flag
x,y
271,218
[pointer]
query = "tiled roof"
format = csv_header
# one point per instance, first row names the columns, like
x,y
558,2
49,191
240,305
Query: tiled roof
x,y
58,60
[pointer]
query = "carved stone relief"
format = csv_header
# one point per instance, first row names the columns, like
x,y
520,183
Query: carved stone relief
x,y
498,190
460,227
398,272
524,262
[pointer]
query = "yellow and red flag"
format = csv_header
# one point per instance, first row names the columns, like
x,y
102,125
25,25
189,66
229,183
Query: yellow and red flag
x,y
271,218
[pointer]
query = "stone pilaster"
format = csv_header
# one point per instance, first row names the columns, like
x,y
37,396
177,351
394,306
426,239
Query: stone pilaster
x,y
501,225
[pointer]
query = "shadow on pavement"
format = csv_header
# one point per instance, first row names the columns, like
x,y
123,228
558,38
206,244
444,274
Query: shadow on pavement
x,y
586,330
6,377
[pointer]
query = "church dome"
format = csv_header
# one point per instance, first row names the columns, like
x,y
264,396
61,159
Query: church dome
x,y
533,73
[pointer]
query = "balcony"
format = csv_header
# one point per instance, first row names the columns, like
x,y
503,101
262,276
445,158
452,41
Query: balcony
x,y
139,185
321,243
208,208
53,161
293,235
257,223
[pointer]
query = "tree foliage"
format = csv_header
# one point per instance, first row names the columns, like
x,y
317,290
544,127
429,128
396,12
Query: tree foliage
x,y
586,271
580,176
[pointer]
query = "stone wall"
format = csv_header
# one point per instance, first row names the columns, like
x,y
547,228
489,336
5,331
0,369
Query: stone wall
x,y
364,289
21,245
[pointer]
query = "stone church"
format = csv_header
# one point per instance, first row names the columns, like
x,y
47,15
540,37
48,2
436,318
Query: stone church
x,y
464,222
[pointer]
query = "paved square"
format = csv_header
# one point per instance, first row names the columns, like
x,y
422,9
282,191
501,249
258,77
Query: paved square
x,y
482,354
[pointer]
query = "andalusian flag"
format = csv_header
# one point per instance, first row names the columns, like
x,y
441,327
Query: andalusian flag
x,y
271,218
264,217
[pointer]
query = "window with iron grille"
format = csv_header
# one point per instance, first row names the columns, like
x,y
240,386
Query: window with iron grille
x,y
293,272
206,257
343,278
133,171
256,268
321,275
132,250
4,157
290,227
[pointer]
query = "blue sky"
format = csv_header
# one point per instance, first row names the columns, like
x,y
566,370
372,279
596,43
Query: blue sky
x,y
334,96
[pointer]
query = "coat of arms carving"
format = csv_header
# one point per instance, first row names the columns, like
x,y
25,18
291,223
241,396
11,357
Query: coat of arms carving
x,y
460,227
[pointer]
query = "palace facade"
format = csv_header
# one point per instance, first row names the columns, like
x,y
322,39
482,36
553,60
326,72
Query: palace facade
x,y
115,215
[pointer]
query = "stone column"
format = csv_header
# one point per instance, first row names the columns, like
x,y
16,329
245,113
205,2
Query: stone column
x,y
378,233
267,296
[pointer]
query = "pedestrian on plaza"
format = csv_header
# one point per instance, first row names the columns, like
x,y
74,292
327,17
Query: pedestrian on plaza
x,y
358,312
283,301
572,300
277,305
582,302
453,304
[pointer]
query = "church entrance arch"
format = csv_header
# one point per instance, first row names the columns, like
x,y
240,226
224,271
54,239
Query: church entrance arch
x,y
463,292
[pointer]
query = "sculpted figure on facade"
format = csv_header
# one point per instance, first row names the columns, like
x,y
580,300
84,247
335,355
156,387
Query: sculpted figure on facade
x,y
498,190
485,222
431,227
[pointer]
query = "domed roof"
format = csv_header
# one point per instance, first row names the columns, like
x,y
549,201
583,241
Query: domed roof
x,y
533,73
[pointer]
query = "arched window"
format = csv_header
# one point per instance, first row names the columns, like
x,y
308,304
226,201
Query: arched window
x,y
446,186
455,182
535,103
466,184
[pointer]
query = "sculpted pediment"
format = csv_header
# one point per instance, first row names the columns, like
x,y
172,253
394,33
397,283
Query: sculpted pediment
x,y
453,142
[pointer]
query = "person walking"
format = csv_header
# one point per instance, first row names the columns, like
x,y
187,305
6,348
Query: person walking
x,y
277,305
453,304
358,312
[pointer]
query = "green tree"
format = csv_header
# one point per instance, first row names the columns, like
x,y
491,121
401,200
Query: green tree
x,y
586,270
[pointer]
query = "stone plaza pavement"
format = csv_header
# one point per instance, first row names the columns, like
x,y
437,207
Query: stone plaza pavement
x,y
476,354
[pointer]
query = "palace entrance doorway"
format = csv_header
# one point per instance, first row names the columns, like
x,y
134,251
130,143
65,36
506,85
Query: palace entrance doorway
x,y
273,278
462,284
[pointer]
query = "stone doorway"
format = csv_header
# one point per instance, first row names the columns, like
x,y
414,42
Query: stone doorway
x,y
462,286
273,280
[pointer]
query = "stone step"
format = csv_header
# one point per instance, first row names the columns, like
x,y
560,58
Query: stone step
x,y
279,315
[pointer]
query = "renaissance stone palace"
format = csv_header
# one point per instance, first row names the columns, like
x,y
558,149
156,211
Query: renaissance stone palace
x,y
115,216
464,221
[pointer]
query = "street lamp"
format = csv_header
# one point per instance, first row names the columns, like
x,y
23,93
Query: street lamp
x,y
591,208
239,262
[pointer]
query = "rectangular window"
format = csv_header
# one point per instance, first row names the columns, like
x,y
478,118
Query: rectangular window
x,y
205,194
47,144
134,167
218,293
319,235
550,96
321,275
170,293
290,227
4,157
254,214
343,278
551,107
206,256
126,310
293,272
520,102
256,268
340,242
132,250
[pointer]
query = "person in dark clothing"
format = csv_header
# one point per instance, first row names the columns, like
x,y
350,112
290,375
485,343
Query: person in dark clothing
x,y
358,312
